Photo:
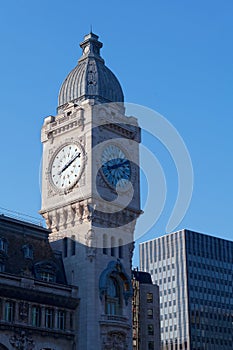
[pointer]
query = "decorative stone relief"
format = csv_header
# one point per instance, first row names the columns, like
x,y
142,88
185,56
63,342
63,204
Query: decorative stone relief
x,y
22,342
131,250
115,341
90,244
23,311
48,220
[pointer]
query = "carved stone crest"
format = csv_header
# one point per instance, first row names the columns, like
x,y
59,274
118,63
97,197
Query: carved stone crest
x,y
22,342
115,341
23,311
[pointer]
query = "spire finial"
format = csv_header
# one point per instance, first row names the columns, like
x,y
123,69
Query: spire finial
x,y
91,29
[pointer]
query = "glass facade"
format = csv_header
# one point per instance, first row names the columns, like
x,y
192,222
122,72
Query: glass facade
x,y
195,275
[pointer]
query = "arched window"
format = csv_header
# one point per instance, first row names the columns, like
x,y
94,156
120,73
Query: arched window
x,y
112,246
113,297
105,251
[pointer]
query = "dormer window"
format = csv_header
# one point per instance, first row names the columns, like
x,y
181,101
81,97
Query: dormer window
x,y
3,245
46,271
28,251
47,276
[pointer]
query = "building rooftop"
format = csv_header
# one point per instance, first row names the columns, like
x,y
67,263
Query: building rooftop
x,y
90,79
142,277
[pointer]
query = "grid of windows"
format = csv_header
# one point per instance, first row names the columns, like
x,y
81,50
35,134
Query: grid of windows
x,y
194,272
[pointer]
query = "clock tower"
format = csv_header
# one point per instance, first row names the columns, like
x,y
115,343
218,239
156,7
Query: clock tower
x,y
91,197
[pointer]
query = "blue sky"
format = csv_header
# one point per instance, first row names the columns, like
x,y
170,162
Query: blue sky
x,y
172,56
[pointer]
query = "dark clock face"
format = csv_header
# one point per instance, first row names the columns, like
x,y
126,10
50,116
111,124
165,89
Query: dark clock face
x,y
116,167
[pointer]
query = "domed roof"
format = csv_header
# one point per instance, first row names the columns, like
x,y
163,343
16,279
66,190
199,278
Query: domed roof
x,y
90,78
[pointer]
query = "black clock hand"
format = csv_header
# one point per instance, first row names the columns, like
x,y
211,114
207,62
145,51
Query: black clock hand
x,y
115,166
68,164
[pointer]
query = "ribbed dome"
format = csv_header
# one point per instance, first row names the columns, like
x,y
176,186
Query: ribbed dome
x,y
90,78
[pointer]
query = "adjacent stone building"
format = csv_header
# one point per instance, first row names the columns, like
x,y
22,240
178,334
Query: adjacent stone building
x,y
37,306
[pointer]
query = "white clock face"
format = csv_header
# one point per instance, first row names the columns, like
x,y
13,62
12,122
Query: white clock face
x,y
67,165
116,167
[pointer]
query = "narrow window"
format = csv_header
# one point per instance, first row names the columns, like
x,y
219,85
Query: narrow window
x,y
113,298
112,246
36,316
27,251
150,329
61,319
2,267
149,297
65,250
48,318
120,248
9,311
149,313
3,245
150,345
73,246
105,251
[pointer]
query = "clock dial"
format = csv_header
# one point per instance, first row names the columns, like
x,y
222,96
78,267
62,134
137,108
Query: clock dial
x,y
66,167
115,166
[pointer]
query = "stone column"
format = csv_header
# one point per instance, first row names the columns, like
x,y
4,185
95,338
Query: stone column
x,y
3,308
55,318
42,316
16,312
29,314
67,320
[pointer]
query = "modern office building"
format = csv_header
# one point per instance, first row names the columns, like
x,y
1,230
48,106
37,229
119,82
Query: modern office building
x,y
194,272
146,316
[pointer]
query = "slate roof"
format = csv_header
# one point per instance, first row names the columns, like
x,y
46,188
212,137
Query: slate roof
x,y
18,234
90,79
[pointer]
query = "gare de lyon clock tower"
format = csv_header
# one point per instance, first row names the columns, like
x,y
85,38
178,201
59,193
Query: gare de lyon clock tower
x,y
91,197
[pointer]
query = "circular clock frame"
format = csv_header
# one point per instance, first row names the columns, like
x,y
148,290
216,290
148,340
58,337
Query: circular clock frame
x,y
66,166
116,167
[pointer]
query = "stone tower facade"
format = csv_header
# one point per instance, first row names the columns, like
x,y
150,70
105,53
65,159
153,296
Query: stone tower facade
x,y
91,197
